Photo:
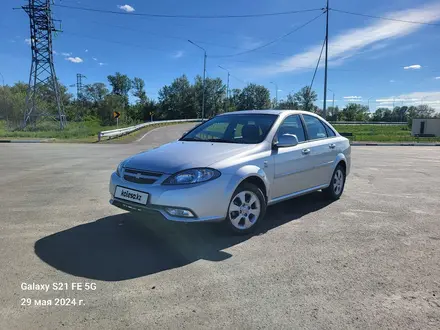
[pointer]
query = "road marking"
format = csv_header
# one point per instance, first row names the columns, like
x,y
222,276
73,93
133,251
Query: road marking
x,y
386,195
147,133
370,211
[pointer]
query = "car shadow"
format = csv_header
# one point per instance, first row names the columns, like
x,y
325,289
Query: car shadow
x,y
125,246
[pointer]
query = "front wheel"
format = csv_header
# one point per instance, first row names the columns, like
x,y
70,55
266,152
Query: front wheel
x,y
337,184
246,209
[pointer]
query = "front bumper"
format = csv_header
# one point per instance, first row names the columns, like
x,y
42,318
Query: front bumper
x,y
208,201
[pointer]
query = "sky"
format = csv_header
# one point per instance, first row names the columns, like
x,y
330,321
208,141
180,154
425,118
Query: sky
x,y
384,61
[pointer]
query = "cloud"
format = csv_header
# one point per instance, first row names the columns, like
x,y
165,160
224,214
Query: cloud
x,y
249,43
415,98
101,63
86,50
413,67
28,41
353,97
392,81
55,52
75,59
437,78
178,54
66,54
94,58
350,42
127,8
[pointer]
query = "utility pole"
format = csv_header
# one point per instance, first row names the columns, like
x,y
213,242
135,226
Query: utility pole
x,y
227,88
276,93
42,73
204,77
79,86
324,111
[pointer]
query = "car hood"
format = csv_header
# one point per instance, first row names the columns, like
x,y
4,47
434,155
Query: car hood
x,y
180,155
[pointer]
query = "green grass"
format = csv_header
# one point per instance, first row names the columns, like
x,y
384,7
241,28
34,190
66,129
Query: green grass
x,y
87,130
381,133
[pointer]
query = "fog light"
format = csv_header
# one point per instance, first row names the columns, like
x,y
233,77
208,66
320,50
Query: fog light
x,y
179,212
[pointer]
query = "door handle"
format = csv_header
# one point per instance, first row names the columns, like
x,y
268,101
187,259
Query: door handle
x,y
306,151
332,146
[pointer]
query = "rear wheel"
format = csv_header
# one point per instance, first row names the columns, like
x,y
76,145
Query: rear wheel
x,y
337,184
246,209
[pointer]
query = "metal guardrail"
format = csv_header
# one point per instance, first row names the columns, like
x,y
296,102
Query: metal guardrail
x,y
127,130
368,123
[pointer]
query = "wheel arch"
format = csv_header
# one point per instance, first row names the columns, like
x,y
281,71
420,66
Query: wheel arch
x,y
254,175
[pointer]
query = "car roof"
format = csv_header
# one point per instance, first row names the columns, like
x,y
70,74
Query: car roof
x,y
264,112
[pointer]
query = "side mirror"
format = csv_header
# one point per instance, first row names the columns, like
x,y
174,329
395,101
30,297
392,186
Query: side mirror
x,y
286,140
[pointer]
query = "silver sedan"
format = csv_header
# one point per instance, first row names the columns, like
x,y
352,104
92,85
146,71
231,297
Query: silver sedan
x,y
231,167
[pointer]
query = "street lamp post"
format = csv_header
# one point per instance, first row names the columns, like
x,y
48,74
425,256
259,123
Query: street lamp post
x,y
276,93
3,91
204,76
227,86
368,101
333,98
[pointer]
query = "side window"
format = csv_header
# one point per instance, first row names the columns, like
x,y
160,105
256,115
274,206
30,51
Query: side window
x,y
292,125
315,128
330,132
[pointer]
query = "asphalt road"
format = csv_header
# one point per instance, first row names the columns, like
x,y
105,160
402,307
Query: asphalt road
x,y
370,260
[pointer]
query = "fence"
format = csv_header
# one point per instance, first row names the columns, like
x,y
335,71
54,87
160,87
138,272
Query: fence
x,y
127,130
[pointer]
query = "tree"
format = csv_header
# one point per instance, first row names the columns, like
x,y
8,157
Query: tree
x,y
333,114
355,112
138,85
289,103
95,93
254,97
215,92
110,104
120,83
305,98
178,100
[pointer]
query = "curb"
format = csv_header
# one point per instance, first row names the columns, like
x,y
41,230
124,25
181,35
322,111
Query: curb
x,y
355,144
25,141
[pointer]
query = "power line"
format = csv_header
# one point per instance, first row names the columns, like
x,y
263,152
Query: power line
x,y
317,64
274,40
384,18
188,16
160,35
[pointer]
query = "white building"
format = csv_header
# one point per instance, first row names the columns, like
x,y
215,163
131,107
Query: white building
x,y
423,127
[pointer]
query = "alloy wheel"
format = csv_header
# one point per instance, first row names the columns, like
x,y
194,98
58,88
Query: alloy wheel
x,y
244,210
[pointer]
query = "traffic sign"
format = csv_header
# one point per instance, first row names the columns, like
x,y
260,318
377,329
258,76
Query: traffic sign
x,y
116,114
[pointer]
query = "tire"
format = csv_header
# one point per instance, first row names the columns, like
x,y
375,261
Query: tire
x,y
337,184
250,201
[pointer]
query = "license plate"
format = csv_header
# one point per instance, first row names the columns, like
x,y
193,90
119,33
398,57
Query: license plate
x,y
131,195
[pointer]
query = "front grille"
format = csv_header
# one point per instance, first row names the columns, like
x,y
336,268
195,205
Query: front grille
x,y
140,176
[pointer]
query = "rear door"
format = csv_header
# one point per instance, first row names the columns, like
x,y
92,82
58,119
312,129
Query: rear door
x,y
292,172
322,150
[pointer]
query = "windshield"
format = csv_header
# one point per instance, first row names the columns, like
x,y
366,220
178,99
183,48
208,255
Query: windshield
x,y
246,129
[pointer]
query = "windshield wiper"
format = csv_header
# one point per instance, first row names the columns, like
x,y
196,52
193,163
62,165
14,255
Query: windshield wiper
x,y
192,139
220,140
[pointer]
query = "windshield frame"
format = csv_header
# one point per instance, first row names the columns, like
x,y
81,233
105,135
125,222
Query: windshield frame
x,y
275,117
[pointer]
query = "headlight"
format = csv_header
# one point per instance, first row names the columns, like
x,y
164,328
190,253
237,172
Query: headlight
x,y
119,169
195,175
